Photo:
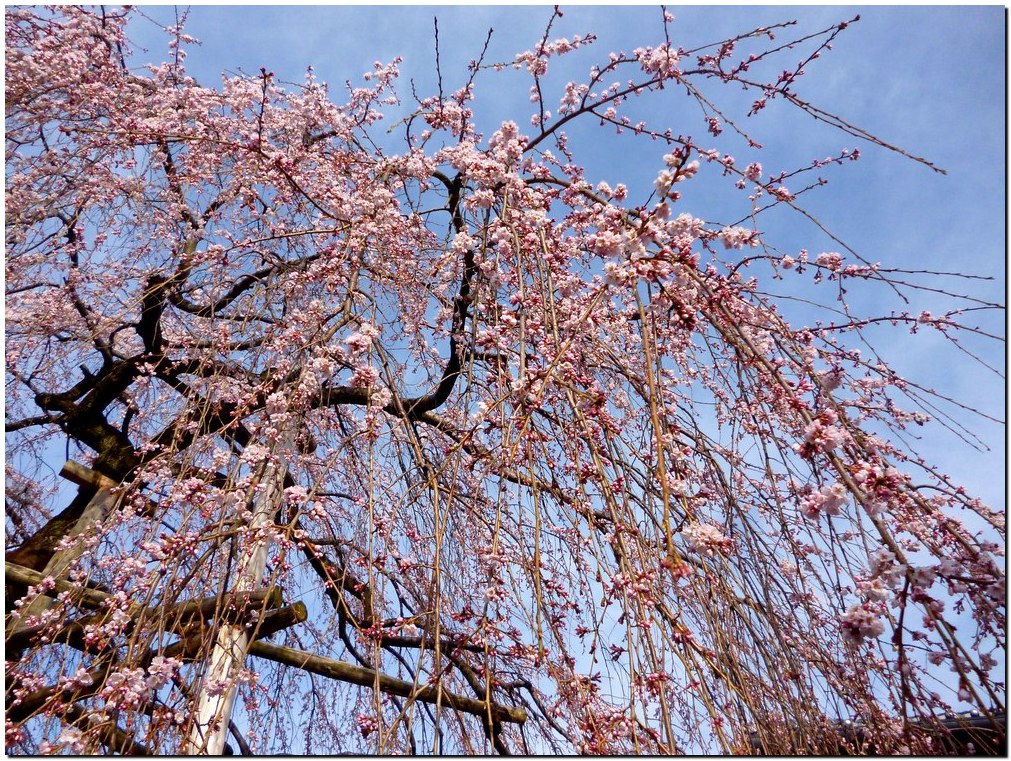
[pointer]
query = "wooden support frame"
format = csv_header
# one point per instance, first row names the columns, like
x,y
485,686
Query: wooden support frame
x,y
186,648
177,617
187,618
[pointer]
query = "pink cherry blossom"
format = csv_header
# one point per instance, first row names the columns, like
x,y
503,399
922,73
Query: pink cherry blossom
x,y
860,622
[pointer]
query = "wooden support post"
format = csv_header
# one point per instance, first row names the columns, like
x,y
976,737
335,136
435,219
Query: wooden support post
x,y
98,509
217,693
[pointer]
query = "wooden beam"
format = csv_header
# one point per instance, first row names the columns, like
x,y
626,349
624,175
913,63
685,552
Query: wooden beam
x,y
100,506
93,598
346,672
280,619
82,476
97,510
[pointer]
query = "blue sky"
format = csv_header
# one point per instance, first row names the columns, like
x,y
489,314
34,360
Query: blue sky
x,y
928,79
